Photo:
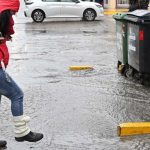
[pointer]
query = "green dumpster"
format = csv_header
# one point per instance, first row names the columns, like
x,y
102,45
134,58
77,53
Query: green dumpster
x,y
121,41
138,41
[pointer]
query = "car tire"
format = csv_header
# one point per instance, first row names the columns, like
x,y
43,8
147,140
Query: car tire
x,y
89,15
38,15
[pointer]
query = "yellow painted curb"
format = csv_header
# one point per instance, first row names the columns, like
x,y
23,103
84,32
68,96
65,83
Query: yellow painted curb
x,y
114,11
74,68
133,128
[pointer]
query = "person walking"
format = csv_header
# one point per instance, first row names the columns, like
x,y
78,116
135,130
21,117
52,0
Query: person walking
x,y
8,86
133,5
100,2
138,4
143,4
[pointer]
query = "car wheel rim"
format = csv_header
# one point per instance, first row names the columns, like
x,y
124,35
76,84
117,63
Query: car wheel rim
x,y
38,16
89,15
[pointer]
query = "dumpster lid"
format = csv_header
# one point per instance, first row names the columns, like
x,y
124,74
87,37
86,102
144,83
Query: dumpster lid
x,y
139,13
138,16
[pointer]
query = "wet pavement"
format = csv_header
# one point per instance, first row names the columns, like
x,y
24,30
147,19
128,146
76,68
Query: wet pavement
x,y
76,110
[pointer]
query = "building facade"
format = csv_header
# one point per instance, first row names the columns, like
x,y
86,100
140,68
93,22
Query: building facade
x,y
113,4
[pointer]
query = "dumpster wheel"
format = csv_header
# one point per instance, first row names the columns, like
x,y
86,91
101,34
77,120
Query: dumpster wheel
x,y
118,64
121,67
128,73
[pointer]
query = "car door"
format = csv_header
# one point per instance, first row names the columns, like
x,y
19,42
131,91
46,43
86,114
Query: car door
x,y
70,8
52,8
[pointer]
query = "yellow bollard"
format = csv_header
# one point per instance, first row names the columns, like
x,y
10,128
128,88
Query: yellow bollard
x,y
133,128
75,68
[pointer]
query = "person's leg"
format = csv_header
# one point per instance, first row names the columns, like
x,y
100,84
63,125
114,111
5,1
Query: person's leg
x,y
2,142
11,90
144,4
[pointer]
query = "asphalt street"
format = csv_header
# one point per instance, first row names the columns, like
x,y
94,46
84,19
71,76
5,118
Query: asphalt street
x,y
76,110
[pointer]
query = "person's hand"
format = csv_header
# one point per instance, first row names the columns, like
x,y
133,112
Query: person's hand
x,y
2,38
9,38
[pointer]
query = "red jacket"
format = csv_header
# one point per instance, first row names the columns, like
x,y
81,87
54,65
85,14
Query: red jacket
x,y
5,5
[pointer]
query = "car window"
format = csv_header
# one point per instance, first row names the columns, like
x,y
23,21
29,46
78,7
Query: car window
x,y
67,0
51,0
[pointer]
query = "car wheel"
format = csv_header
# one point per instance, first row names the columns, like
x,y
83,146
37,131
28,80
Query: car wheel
x,y
89,15
38,15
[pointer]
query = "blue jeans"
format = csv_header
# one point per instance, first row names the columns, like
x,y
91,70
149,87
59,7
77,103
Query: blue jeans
x,y
11,90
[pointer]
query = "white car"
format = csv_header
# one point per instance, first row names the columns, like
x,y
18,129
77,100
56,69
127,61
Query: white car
x,y
38,10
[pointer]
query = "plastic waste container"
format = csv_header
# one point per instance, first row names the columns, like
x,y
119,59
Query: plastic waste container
x,y
138,42
121,41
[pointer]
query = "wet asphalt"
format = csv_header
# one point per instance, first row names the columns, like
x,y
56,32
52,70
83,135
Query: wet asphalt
x,y
76,110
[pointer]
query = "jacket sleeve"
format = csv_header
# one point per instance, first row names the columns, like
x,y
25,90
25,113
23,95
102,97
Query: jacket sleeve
x,y
10,27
